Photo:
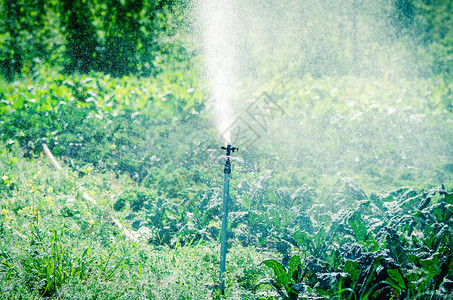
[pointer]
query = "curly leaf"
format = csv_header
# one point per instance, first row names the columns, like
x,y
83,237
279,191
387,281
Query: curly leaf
x,y
449,197
352,268
395,277
303,238
293,267
281,278
359,228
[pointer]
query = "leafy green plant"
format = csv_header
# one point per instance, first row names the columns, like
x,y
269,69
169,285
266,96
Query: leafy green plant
x,y
286,281
119,204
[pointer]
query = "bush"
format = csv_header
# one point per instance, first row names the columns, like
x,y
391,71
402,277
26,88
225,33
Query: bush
x,y
120,204
136,198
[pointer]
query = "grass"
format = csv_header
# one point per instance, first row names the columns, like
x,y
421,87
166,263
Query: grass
x,y
55,244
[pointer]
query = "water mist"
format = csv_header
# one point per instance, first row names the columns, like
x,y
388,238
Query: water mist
x,y
347,82
353,103
218,21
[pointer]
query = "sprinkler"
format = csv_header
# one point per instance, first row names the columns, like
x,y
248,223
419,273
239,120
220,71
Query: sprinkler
x,y
226,195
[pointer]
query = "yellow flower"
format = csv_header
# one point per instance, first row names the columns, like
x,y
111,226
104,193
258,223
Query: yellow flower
x,y
8,218
91,222
50,189
4,212
48,198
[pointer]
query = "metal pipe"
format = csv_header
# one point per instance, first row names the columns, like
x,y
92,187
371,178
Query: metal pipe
x,y
223,239
224,233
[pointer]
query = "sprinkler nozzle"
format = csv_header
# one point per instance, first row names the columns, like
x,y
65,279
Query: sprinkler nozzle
x,y
229,149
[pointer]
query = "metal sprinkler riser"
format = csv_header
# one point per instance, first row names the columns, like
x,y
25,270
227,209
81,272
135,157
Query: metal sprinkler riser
x,y
226,195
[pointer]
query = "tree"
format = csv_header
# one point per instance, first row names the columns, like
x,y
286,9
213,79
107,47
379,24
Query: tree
x,y
80,36
131,30
22,37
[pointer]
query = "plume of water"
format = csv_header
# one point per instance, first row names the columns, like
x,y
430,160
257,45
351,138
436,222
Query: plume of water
x,y
346,79
218,23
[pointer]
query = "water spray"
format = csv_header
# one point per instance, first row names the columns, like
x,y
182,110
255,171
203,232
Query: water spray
x,y
226,195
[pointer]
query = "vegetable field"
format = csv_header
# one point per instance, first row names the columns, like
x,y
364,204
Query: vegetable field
x,y
135,212
111,172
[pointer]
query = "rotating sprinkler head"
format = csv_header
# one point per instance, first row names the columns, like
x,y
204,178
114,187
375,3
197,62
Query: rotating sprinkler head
x,y
229,149
226,195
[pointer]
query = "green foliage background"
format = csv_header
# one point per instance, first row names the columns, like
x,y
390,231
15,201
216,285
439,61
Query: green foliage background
x,y
137,37
114,89
116,37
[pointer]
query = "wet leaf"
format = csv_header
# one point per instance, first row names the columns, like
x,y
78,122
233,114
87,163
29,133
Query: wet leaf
x,y
293,266
351,267
396,277
281,278
359,228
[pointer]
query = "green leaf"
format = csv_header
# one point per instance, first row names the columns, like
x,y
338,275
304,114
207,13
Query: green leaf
x,y
352,267
442,212
281,278
449,197
247,201
388,198
431,265
396,277
359,228
293,266
302,238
